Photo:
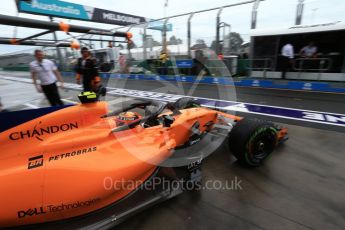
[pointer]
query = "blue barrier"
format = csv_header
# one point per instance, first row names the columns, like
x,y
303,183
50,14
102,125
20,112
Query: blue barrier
x,y
292,85
319,117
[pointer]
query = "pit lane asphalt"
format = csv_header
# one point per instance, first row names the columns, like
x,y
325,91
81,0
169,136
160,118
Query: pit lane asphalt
x,y
326,102
300,187
315,101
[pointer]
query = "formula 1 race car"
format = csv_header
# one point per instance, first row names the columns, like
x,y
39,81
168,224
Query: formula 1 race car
x,y
82,166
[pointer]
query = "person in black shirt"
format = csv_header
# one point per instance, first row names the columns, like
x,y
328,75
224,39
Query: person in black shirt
x,y
87,70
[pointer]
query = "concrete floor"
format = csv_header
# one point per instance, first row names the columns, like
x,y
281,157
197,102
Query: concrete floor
x,y
301,187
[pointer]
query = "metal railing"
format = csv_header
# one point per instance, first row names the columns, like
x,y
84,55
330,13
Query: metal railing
x,y
308,64
267,65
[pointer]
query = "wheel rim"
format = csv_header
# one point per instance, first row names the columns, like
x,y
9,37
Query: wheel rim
x,y
263,145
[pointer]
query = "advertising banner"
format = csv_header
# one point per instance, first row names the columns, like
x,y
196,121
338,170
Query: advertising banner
x,y
61,9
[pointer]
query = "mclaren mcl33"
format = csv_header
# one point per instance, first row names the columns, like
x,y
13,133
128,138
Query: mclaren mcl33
x,y
83,166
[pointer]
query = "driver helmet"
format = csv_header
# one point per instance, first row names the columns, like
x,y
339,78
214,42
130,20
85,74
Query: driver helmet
x,y
126,118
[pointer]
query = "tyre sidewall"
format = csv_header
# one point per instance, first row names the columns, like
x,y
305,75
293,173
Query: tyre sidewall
x,y
258,134
245,133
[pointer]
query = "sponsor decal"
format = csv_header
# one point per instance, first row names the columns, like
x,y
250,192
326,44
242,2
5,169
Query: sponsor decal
x,y
256,83
39,132
308,86
281,112
116,18
64,207
72,154
31,212
121,18
195,165
53,7
56,208
159,25
184,63
193,142
324,117
35,162
76,11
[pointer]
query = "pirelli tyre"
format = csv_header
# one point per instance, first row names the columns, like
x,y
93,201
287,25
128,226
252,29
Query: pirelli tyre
x,y
185,103
252,141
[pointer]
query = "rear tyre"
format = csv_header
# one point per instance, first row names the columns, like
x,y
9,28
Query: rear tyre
x,y
252,141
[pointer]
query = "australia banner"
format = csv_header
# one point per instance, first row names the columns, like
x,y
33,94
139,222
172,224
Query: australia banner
x,y
61,9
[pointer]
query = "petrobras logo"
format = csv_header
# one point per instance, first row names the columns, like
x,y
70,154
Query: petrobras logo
x,y
35,162
39,132
38,161
31,212
72,154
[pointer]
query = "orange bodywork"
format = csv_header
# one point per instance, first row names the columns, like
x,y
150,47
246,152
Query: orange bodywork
x,y
69,162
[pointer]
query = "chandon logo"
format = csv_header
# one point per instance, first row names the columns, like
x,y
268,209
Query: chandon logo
x,y
38,133
31,212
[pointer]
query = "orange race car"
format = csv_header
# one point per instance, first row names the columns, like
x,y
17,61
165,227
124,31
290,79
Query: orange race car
x,y
83,166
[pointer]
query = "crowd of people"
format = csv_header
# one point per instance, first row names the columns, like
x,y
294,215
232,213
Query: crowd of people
x,y
47,79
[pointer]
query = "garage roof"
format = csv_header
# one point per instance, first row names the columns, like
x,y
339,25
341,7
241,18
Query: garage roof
x,y
300,29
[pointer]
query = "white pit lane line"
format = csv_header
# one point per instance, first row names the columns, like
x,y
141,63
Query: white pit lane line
x,y
310,116
69,101
31,106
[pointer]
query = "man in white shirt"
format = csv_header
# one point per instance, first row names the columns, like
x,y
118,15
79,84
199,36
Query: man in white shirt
x,y
48,74
287,58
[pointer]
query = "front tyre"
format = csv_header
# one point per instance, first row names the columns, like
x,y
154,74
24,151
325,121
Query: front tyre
x,y
252,141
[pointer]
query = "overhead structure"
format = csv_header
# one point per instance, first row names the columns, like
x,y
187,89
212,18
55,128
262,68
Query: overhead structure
x,y
54,26
189,34
299,13
51,27
218,25
191,14
9,41
255,13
